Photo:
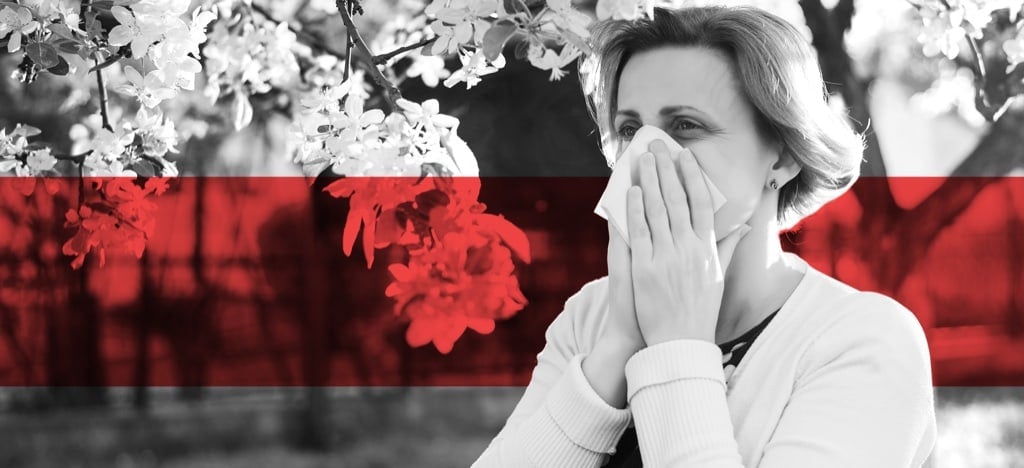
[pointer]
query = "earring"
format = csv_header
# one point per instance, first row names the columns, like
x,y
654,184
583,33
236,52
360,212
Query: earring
x,y
773,184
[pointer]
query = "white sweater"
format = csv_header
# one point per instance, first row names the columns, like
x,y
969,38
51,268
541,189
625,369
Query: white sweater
x,y
839,378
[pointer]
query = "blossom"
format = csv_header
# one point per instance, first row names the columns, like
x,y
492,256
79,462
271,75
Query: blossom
x,y
569,19
474,65
427,115
1014,48
326,99
459,22
132,31
122,221
106,153
464,282
150,90
550,60
16,22
158,137
624,9
947,22
429,68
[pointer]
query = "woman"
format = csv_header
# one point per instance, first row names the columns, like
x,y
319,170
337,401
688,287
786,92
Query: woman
x,y
706,343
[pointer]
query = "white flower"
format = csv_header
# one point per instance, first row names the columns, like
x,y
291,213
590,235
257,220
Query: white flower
x,y
429,68
569,19
158,133
327,98
110,145
624,9
947,22
474,65
132,31
1014,49
550,60
16,21
459,22
150,90
427,115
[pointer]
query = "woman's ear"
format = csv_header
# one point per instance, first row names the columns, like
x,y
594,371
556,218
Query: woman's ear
x,y
785,167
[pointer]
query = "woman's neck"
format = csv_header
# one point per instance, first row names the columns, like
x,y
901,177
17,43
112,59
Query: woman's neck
x,y
758,281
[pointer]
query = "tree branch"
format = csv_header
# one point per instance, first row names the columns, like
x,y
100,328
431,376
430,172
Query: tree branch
x,y
307,38
391,92
1000,151
827,30
104,106
383,58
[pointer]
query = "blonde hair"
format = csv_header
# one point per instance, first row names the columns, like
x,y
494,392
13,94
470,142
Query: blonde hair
x,y
777,71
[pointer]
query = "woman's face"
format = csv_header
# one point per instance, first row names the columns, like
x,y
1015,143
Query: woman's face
x,y
691,94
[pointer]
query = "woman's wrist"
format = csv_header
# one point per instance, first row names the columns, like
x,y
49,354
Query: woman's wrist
x,y
604,368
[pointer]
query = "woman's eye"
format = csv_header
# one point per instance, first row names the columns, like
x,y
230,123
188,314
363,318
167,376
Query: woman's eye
x,y
627,131
685,124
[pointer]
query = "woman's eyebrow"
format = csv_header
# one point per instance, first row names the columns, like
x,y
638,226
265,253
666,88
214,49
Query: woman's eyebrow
x,y
665,111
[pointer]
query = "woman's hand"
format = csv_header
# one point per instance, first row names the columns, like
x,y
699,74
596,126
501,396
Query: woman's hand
x,y
677,268
605,366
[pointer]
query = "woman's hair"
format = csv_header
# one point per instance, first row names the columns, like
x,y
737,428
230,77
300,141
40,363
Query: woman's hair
x,y
776,70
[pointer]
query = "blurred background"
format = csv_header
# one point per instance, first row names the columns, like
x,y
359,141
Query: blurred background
x,y
245,337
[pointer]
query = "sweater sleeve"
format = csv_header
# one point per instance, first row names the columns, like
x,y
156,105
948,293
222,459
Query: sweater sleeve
x,y
863,397
560,420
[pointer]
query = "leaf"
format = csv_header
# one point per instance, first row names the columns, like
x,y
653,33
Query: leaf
x,y
496,37
515,6
522,50
144,168
510,234
242,110
102,4
577,41
43,54
369,234
352,224
62,30
61,69
67,46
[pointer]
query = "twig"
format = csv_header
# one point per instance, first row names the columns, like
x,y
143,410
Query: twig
x,y
104,106
383,58
309,39
110,61
75,158
980,62
348,56
391,92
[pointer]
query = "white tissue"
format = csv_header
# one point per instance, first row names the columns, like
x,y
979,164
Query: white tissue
x,y
612,205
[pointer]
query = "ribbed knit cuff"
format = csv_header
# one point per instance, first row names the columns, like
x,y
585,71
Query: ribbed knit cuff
x,y
673,360
581,414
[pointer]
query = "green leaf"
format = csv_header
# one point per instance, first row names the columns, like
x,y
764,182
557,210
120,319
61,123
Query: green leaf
x,y
62,68
242,111
144,168
496,37
68,46
515,6
522,49
577,41
62,30
102,5
43,54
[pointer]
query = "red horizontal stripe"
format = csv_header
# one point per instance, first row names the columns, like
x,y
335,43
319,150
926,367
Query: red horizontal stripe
x,y
270,299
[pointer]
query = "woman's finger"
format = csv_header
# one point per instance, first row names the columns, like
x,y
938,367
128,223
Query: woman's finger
x,y
675,199
702,213
654,204
639,233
